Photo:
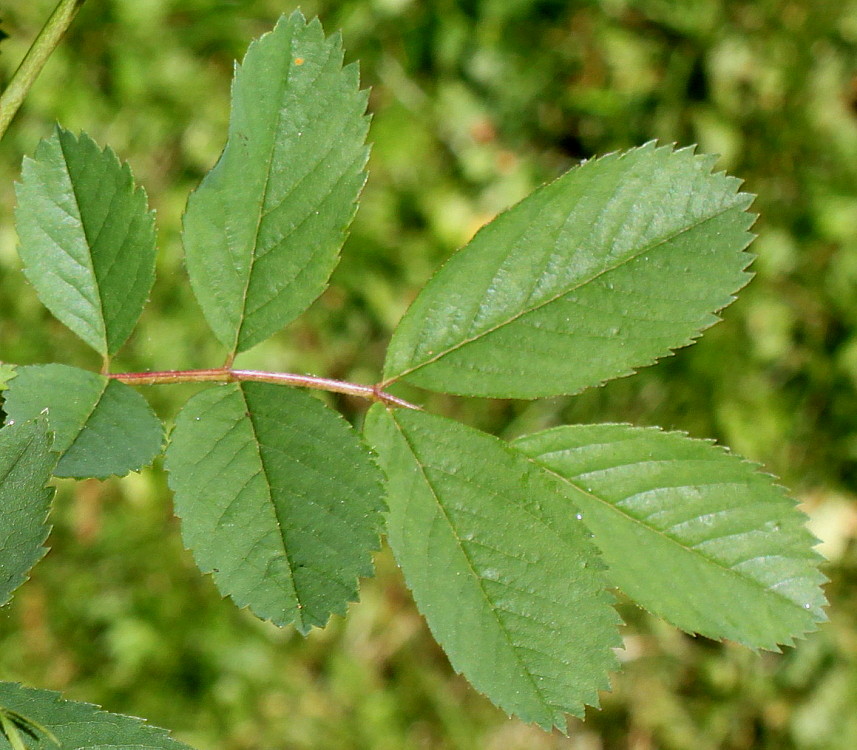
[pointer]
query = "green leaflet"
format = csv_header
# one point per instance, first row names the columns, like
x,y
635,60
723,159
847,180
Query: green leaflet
x,y
500,567
691,532
25,468
77,726
262,232
87,238
278,498
602,271
101,426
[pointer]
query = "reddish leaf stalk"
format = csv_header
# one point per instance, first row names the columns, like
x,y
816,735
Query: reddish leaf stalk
x,y
227,375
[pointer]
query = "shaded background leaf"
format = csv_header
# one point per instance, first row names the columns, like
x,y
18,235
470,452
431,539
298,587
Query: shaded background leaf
x,y
102,427
25,468
81,726
689,531
499,566
7,372
567,289
262,232
278,499
87,238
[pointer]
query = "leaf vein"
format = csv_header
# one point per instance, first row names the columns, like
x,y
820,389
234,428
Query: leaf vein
x,y
526,311
611,507
479,581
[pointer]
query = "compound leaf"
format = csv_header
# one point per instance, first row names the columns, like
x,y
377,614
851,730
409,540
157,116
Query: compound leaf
x,y
602,271
26,463
262,232
278,498
101,427
87,238
502,570
49,722
692,533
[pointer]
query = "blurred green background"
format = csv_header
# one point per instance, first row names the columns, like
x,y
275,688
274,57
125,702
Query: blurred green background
x,y
475,103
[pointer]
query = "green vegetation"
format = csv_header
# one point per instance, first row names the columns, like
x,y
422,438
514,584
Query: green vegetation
x,y
473,106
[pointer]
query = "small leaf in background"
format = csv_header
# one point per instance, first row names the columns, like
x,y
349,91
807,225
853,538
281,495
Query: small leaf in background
x,y
692,533
87,238
501,568
79,726
278,498
262,232
604,270
102,427
26,463
7,372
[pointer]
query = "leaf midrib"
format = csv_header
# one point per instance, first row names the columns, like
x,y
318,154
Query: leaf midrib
x,y
290,282
106,383
20,455
262,212
690,550
583,282
90,266
256,231
280,521
489,604
8,576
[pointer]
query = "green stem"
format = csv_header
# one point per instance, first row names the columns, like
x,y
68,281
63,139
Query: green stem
x,y
40,50
227,375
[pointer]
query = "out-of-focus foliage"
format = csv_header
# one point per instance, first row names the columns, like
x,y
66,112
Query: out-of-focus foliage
x,y
474,104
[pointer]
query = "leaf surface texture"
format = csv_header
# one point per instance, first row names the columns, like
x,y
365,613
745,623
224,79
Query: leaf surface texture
x,y
278,498
691,532
81,726
25,468
602,271
87,238
506,577
263,231
101,427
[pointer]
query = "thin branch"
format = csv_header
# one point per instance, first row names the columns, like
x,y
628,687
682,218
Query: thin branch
x,y
226,375
40,50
